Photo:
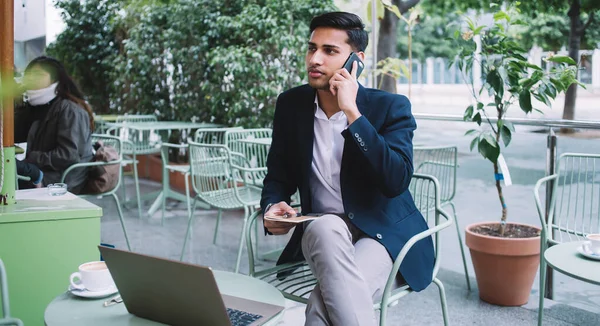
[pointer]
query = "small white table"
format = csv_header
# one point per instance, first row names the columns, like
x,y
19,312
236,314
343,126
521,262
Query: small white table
x,y
564,258
69,310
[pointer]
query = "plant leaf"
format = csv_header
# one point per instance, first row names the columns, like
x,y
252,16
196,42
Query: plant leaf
x,y
525,101
506,135
474,142
488,151
477,118
470,132
468,113
562,59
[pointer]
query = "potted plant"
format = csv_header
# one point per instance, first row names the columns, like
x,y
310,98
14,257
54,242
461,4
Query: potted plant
x,y
505,255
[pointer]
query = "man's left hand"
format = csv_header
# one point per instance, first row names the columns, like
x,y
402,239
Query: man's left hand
x,y
344,86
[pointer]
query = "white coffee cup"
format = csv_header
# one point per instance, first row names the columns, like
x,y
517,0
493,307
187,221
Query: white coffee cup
x,y
93,276
593,243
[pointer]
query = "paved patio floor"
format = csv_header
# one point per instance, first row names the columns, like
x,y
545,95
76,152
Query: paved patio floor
x,y
149,237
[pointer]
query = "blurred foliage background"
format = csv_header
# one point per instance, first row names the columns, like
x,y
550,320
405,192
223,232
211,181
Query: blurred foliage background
x,y
219,61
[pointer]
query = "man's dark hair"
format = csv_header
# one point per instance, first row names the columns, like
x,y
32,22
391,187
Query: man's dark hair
x,y
358,38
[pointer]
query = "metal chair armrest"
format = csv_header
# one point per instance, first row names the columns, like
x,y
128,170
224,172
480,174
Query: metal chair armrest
x,y
164,150
85,165
538,202
251,221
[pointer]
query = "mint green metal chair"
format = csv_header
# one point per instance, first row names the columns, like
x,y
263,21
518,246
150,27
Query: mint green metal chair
x,y
136,142
6,319
222,179
442,163
203,136
574,208
117,144
299,284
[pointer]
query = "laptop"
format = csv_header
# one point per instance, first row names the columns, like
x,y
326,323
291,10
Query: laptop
x,y
176,293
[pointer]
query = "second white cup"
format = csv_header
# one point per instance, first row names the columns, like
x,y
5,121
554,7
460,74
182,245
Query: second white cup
x,y
593,243
93,276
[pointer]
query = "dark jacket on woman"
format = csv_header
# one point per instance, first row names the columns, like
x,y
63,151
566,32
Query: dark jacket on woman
x,y
58,135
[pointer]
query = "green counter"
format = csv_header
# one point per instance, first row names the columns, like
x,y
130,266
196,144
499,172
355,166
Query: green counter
x,y
43,239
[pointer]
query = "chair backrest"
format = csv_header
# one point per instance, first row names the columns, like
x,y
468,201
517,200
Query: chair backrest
x,y
575,202
212,176
212,135
140,141
97,168
255,154
440,162
5,318
425,190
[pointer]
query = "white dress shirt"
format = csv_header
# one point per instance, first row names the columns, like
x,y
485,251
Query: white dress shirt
x,y
328,146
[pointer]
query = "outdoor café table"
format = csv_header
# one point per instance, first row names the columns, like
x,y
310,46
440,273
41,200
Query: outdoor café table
x,y
158,126
564,258
43,239
67,309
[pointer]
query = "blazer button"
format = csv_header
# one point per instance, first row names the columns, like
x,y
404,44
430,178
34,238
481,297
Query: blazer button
x,y
350,215
356,135
379,236
365,148
362,143
359,139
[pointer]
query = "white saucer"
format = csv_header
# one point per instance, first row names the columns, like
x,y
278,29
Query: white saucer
x,y
587,254
93,294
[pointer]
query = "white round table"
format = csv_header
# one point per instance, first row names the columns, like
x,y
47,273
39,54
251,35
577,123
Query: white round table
x,y
564,258
67,309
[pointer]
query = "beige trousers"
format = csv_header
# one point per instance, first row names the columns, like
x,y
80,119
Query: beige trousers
x,y
351,268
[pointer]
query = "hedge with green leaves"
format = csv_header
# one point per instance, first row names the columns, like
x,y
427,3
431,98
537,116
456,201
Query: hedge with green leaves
x,y
220,61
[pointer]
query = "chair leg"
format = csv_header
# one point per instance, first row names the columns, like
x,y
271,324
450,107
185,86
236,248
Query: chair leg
x,y
123,187
137,185
242,237
122,221
165,189
189,229
442,300
542,285
383,314
462,247
217,226
186,177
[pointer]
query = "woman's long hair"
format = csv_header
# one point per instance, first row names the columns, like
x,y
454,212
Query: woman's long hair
x,y
66,89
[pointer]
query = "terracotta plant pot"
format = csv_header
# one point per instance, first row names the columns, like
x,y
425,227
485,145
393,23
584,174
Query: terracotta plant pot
x,y
505,267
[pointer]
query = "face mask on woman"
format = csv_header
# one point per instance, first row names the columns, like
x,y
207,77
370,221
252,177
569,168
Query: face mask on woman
x,y
41,96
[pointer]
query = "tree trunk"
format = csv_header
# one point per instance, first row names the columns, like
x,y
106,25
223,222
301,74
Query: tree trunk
x,y
386,47
575,33
387,40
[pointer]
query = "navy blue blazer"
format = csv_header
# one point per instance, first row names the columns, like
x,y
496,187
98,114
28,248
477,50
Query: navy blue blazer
x,y
375,173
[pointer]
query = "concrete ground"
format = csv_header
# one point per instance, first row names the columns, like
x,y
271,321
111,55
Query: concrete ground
x,y
575,302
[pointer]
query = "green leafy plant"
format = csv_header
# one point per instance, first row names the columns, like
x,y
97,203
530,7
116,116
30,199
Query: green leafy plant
x,y
508,80
216,61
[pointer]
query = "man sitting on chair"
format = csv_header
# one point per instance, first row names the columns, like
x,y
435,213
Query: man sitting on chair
x,y
348,150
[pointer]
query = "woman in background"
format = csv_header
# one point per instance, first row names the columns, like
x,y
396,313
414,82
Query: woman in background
x,y
57,125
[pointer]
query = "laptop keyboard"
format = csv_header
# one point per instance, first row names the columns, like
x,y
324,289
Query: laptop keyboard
x,y
241,318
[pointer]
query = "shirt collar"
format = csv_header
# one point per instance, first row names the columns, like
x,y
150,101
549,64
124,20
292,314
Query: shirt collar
x,y
320,114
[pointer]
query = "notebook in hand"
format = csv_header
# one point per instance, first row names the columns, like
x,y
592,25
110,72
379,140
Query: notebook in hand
x,y
299,218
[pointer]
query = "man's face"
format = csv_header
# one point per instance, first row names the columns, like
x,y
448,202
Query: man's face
x,y
327,52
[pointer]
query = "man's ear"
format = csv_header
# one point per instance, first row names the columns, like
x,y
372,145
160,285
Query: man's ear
x,y
361,55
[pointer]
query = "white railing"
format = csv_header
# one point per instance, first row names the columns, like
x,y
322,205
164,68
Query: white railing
x,y
436,71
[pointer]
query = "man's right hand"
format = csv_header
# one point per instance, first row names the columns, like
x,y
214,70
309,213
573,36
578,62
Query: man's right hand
x,y
276,227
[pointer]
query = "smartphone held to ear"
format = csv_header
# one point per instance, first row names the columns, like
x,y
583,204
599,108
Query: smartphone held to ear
x,y
359,64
